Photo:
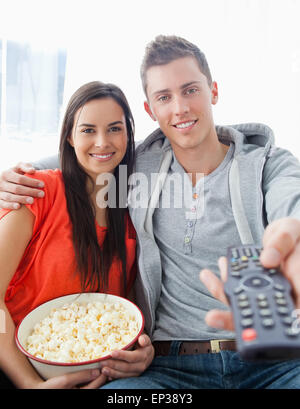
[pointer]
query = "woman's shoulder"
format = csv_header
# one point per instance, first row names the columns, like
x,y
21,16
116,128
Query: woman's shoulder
x,y
54,188
46,175
52,179
53,194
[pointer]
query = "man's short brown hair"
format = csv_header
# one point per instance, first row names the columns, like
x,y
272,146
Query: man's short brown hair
x,y
165,49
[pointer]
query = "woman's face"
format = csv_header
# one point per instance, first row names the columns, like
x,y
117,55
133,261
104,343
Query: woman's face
x,y
99,136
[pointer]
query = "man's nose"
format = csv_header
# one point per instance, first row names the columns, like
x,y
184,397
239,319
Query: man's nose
x,y
180,105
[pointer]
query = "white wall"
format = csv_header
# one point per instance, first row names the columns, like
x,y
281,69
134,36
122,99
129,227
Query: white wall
x,y
253,48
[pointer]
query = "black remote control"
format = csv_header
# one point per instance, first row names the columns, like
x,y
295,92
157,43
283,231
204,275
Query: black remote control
x,y
265,318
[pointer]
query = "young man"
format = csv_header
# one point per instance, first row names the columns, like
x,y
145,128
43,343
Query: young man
x,y
240,183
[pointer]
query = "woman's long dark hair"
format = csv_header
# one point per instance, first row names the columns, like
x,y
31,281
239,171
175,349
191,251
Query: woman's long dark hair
x,y
93,262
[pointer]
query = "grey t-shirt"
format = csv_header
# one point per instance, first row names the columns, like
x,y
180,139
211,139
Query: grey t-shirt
x,y
192,237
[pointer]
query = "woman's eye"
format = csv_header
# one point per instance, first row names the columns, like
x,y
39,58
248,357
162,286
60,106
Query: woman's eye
x,y
88,130
115,129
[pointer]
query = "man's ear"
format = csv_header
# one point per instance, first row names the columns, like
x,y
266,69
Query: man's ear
x,y
148,110
214,93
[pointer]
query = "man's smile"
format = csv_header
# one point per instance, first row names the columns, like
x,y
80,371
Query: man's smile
x,y
185,125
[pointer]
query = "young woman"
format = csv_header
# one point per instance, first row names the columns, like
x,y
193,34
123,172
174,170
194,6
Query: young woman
x,y
66,243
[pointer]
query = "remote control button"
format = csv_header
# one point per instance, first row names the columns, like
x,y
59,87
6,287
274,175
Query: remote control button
x,y
292,332
255,282
242,297
272,271
287,320
247,322
279,287
238,290
263,304
236,268
243,304
244,265
236,274
268,322
278,294
281,301
235,253
247,313
261,297
282,310
247,252
265,312
249,334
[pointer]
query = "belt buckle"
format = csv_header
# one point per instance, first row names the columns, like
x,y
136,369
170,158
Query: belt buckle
x,y
215,345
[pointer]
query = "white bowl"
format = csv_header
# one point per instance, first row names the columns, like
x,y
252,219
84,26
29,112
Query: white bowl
x,y
49,369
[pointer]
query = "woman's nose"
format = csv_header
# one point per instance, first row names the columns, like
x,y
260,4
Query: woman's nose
x,y
101,140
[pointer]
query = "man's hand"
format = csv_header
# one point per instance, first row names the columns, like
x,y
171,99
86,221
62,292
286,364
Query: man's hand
x,y
124,364
17,189
281,243
218,318
281,248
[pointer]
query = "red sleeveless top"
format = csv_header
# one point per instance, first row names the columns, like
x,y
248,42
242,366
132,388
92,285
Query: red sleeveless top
x,y
46,270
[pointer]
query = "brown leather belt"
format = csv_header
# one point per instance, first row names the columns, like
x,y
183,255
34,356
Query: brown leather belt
x,y
162,348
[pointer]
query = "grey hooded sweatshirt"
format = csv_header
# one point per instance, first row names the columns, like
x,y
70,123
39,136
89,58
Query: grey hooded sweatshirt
x,y
264,185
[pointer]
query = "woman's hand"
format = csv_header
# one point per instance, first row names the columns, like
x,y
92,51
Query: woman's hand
x,y
124,364
87,379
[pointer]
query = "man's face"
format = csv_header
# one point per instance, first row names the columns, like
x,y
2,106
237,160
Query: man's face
x,y
180,99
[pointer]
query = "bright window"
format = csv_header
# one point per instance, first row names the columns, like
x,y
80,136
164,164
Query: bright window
x,y
31,95
34,90
252,46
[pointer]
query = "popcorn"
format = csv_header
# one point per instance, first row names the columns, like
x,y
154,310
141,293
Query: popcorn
x,y
79,332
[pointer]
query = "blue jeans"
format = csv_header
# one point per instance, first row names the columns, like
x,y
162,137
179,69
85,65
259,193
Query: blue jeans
x,y
223,370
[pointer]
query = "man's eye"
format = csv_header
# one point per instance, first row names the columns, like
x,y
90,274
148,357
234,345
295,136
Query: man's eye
x,y
163,98
191,90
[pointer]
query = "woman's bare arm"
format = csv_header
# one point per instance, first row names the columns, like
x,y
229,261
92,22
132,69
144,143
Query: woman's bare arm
x,y
15,233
